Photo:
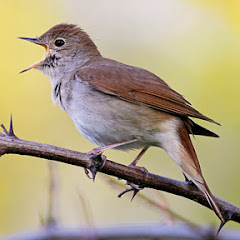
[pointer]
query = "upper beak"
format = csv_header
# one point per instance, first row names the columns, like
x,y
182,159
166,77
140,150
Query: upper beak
x,y
36,41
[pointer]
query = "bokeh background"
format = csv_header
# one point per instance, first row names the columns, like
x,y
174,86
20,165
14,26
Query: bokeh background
x,y
193,45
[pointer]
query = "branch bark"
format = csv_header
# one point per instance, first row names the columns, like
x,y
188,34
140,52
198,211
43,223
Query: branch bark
x,y
10,144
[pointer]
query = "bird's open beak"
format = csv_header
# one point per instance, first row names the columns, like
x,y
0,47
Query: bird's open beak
x,y
36,41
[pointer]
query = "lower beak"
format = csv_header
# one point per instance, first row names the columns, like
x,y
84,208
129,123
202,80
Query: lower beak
x,y
36,41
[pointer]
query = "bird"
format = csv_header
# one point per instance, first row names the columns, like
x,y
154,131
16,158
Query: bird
x,y
115,105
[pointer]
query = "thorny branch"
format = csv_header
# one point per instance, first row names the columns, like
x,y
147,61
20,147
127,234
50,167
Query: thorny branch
x,y
10,144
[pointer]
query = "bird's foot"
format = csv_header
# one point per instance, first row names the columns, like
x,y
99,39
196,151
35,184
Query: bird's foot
x,y
143,169
98,162
134,187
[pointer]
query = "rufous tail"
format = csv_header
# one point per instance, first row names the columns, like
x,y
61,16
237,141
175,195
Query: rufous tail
x,y
204,188
192,170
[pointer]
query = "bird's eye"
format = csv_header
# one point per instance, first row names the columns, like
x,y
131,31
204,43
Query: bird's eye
x,y
59,42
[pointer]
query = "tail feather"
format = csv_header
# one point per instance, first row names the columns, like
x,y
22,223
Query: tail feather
x,y
194,172
204,188
195,129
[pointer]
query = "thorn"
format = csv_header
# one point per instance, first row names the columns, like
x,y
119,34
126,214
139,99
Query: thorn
x,y
11,132
221,226
4,129
229,217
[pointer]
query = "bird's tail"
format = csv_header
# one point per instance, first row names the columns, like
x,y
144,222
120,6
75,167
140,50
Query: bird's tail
x,y
204,188
191,168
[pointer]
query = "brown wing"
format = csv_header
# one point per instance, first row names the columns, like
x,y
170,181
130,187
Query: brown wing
x,y
139,86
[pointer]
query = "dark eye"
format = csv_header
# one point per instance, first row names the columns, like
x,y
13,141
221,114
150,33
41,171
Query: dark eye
x,y
59,42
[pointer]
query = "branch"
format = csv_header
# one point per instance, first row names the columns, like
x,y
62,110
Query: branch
x,y
10,144
133,231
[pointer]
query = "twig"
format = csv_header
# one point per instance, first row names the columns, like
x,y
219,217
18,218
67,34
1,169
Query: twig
x,y
86,210
133,231
53,202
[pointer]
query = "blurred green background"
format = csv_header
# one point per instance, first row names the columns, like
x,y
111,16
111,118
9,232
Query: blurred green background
x,y
193,45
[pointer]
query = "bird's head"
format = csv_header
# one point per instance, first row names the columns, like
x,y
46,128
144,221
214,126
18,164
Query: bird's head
x,y
67,47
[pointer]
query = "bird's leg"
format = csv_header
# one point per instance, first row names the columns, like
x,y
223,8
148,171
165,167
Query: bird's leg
x,y
134,187
98,150
133,164
99,160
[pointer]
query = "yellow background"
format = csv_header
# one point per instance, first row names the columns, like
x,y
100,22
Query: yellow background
x,y
193,45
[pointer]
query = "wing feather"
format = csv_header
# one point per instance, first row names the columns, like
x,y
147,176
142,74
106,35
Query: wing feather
x,y
139,86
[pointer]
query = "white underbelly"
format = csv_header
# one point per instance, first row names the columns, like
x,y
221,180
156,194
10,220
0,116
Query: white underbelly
x,y
104,119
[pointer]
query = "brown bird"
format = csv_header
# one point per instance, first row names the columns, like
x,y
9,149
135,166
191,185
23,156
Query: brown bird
x,y
115,105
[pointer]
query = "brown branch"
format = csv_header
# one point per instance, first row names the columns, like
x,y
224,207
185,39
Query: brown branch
x,y
10,144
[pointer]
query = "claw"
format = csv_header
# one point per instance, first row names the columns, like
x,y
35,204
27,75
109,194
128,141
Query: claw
x,y
135,191
87,173
93,171
98,162
229,217
134,188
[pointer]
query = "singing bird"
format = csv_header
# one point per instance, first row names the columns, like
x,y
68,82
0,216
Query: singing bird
x,y
115,105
